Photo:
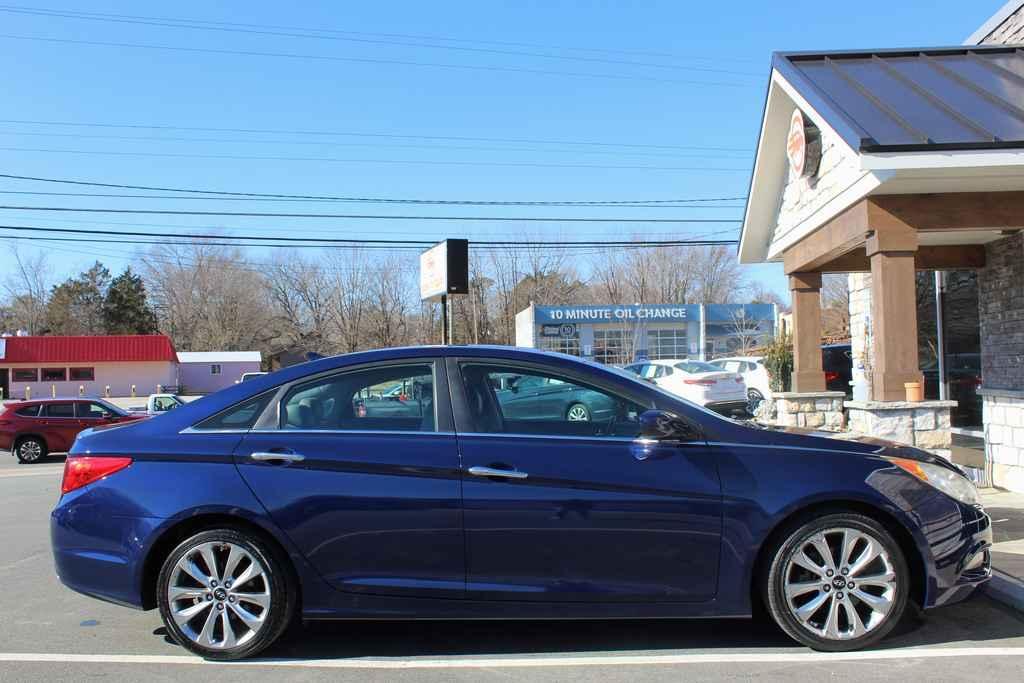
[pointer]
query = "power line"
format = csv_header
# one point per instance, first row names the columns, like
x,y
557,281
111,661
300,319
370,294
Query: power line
x,y
263,214
369,60
377,200
278,131
427,162
264,240
194,25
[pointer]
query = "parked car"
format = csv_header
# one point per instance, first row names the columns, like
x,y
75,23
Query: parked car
x,y
755,376
703,383
31,430
233,524
837,362
158,403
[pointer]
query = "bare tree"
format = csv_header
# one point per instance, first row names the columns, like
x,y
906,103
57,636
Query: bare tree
x,y
25,289
835,307
746,331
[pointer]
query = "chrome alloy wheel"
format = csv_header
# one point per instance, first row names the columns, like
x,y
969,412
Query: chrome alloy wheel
x,y
840,583
30,450
578,413
219,595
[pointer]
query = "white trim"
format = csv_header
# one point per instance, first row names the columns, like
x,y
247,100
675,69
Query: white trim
x,y
960,159
530,662
219,357
994,22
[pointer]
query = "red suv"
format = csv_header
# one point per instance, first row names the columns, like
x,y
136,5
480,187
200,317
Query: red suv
x,y
33,429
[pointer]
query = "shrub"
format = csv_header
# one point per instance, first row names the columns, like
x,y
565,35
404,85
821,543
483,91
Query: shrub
x,y
778,359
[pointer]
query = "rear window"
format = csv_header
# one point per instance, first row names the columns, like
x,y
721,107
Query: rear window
x,y
28,411
239,416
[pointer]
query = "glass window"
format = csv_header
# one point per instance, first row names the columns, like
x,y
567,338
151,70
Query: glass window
x,y
570,345
669,343
696,366
28,411
25,375
215,369
391,398
239,416
59,410
164,403
54,375
82,374
512,400
92,410
613,347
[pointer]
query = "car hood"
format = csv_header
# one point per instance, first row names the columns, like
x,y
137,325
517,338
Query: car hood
x,y
846,442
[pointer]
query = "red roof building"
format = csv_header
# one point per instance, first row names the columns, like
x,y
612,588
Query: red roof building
x,y
95,349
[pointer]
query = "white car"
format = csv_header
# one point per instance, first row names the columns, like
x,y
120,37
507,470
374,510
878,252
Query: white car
x,y
698,382
755,375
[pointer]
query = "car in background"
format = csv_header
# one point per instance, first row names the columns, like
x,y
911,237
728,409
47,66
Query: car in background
x,y
240,514
837,362
697,381
963,376
755,376
31,430
158,403
246,376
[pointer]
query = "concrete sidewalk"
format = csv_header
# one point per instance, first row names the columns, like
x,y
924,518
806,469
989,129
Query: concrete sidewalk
x,y
1007,512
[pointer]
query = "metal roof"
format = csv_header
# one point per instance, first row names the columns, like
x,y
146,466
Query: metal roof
x,y
915,99
97,349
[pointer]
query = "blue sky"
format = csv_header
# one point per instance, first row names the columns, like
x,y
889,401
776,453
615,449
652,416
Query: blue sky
x,y
673,95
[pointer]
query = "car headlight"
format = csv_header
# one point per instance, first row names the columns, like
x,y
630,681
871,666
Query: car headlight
x,y
953,484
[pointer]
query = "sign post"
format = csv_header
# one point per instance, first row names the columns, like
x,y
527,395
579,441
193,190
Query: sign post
x,y
444,270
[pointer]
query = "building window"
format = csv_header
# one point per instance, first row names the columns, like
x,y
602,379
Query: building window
x,y
667,344
25,375
82,374
613,347
55,375
215,369
570,345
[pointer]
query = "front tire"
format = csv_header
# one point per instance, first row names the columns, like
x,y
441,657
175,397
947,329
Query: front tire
x,y
225,594
837,583
30,449
577,412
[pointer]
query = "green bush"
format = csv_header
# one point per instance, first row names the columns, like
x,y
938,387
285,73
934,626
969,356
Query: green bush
x,y
778,359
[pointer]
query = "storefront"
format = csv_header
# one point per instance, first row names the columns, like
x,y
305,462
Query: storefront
x,y
905,170
620,334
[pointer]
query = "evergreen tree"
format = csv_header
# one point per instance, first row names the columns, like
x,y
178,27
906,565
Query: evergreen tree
x,y
125,309
76,305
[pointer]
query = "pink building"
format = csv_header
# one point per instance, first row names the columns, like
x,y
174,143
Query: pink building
x,y
203,372
68,366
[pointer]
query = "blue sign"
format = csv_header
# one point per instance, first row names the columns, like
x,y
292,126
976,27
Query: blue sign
x,y
609,314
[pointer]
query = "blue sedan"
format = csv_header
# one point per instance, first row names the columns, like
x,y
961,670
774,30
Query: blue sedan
x,y
284,498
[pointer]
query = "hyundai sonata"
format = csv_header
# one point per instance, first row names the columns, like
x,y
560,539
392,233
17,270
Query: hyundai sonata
x,y
285,498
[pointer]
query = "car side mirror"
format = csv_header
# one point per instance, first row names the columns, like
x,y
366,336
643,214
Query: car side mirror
x,y
660,427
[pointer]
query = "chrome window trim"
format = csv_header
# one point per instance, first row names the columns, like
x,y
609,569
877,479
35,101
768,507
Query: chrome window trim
x,y
622,439
190,430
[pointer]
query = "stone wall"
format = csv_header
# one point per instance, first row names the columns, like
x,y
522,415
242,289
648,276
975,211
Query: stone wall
x,y
817,410
1009,32
802,197
924,424
1001,309
1004,437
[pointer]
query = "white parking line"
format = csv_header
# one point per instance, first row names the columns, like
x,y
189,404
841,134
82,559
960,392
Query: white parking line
x,y
535,661
34,472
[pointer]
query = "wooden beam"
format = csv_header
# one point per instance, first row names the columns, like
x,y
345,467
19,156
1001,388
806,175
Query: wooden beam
x,y
839,236
955,210
944,257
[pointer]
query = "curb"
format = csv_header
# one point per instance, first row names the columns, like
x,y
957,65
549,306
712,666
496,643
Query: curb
x,y
1007,589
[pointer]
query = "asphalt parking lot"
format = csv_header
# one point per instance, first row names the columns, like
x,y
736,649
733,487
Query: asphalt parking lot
x,y
50,633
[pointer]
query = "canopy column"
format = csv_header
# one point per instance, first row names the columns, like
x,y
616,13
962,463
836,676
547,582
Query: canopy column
x,y
808,375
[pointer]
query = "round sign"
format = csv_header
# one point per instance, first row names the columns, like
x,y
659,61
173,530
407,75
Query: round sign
x,y
567,330
796,143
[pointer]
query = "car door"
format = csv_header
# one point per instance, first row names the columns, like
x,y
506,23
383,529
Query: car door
x,y
372,499
60,424
561,510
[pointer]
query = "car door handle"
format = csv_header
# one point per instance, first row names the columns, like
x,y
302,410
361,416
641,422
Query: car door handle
x,y
261,456
493,472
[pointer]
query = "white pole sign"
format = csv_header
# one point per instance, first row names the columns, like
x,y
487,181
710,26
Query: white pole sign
x,y
434,272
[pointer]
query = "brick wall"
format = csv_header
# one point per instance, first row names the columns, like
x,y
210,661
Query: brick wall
x,y
802,197
1010,31
1001,308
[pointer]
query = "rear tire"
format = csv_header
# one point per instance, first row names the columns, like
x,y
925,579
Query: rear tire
x,y
837,583
234,609
577,412
30,450
754,399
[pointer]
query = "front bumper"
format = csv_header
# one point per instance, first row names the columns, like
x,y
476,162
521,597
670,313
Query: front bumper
x,y
962,560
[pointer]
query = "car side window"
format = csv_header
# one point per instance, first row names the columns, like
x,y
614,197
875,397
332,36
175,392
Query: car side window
x,y
91,411
28,411
504,400
241,416
391,398
59,410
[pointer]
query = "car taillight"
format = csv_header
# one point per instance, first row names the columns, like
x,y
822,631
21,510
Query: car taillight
x,y
739,378
701,382
831,376
80,470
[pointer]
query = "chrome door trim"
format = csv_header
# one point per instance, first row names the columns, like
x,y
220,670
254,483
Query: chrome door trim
x,y
477,471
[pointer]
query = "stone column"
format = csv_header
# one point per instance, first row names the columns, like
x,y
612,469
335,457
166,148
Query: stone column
x,y
893,313
807,373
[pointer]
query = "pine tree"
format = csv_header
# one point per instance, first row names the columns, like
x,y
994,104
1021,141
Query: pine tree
x,y
76,305
125,310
